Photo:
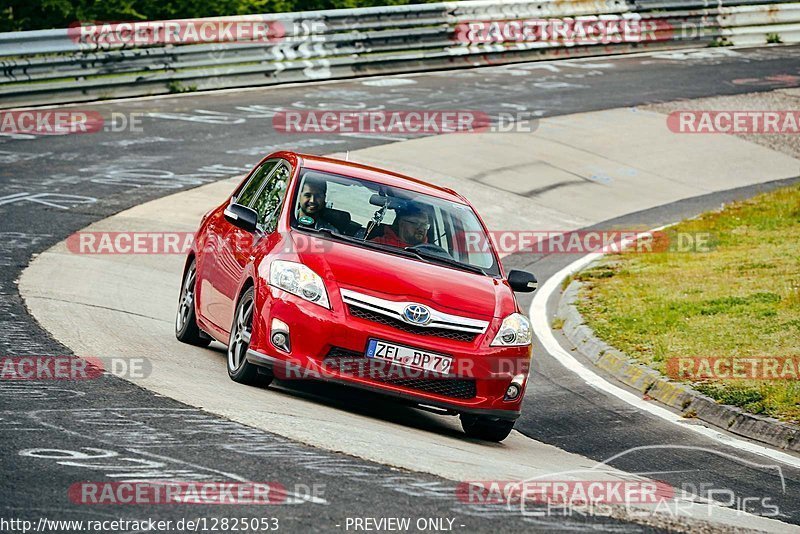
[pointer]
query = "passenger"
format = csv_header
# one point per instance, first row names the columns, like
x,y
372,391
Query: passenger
x,y
410,227
312,204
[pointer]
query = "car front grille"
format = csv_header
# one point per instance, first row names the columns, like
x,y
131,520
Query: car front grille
x,y
368,315
456,388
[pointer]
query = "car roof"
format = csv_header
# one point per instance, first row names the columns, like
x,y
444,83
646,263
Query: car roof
x,y
374,174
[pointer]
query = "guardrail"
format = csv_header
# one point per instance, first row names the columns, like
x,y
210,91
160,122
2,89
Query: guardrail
x,y
73,65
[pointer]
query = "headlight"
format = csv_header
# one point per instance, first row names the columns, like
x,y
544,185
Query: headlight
x,y
514,332
298,280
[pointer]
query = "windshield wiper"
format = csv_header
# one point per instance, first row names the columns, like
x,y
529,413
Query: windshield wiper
x,y
428,255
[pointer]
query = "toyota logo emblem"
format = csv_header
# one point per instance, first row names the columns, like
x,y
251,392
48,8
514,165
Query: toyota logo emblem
x,y
417,314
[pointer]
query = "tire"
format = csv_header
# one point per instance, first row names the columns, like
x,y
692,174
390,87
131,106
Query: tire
x,y
486,428
186,329
239,369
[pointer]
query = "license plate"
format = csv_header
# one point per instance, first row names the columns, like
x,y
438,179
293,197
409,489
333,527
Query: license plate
x,y
409,357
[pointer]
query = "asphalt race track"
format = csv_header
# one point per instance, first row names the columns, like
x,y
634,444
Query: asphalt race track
x,y
54,186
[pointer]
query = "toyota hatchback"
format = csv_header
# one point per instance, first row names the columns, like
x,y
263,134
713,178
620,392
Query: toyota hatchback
x,y
316,268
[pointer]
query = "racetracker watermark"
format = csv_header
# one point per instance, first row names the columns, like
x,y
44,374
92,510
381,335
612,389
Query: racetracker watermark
x,y
179,243
505,242
170,492
585,241
131,242
161,526
71,367
579,492
734,122
180,32
419,365
65,122
564,492
408,122
607,29
734,368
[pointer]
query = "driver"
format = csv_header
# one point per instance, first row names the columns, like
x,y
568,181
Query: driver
x,y
410,228
312,204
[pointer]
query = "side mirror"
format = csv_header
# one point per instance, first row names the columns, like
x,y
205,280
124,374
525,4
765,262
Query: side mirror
x,y
522,281
242,217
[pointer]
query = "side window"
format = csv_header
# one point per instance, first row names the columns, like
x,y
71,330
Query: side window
x,y
269,201
252,186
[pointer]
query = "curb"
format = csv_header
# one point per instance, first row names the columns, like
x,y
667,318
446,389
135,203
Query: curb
x,y
650,382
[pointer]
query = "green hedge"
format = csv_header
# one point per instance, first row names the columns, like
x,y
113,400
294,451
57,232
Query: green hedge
x,y
18,15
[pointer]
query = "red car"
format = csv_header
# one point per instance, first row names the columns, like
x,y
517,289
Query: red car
x,y
316,268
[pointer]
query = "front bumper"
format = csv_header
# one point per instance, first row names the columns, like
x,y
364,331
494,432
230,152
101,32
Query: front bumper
x,y
330,345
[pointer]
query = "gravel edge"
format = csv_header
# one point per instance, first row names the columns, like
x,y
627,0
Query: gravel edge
x,y
654,385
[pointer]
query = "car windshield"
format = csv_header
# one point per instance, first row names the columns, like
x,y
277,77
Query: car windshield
x,y
397,220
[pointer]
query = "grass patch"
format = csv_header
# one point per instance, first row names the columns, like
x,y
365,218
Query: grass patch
x,y
739,299
175,86
558,323
566,282
720,41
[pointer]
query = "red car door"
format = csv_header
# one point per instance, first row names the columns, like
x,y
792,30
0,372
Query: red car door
x,y
208,248
215,270
237,246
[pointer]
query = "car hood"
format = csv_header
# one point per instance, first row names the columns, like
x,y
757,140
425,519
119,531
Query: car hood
x,y
399,278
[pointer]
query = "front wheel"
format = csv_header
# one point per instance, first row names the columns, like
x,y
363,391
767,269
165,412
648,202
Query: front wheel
x,y
239,369
486,428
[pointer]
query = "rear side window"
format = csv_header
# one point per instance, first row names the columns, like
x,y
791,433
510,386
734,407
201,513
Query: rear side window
x,y
251,188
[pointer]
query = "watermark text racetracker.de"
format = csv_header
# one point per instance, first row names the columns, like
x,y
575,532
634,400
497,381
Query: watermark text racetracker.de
x,y
67,121
408,122
585,241
182,492
734,122
601,491
590,496
733,368
107,34
564,492
144,242
566,31
157,526
71,367
418,365
468,242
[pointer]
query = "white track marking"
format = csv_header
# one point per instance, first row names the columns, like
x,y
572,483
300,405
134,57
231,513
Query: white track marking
x,y
34,415
302,498
411,75
541,327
